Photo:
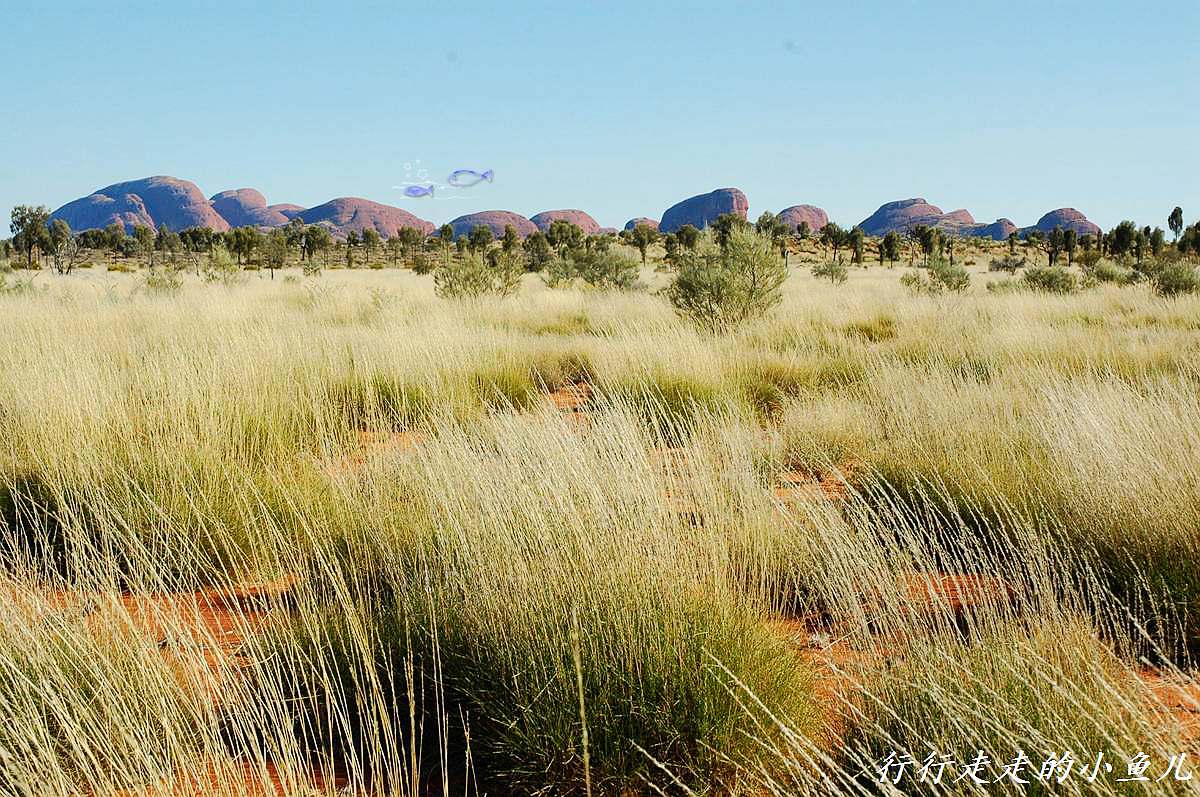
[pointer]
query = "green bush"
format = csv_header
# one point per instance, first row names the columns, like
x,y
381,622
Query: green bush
x,y
720,288
833,270
1050,279
604,270
163,281
1008,264
940,276
1176,278
471,276
1107,271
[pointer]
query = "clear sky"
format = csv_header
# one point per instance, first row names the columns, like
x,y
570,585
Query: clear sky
x,y
621,109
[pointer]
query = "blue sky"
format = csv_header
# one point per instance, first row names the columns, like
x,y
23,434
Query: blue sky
x,y
621,109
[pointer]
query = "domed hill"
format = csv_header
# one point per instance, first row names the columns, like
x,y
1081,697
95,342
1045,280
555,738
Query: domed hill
x,y
287,209
998,230
246,207
577,217
903,214
1068,219
347,214
151,201
900,215
494,220
629,225
815,216
698,211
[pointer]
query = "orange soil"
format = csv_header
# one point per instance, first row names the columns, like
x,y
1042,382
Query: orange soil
x,y
239,779
798,485
373,445
1178,702
574,397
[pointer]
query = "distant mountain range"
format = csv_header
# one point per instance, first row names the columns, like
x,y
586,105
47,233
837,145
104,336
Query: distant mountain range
x,y
179,204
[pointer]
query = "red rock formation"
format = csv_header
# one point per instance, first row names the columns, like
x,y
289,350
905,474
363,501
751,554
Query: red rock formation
x,y
699,211
815,216
347,214
629,225
151,201
495,220
1068,219
577,217
246,207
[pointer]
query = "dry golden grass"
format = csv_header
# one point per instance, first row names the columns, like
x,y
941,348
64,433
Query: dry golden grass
x,y
759,562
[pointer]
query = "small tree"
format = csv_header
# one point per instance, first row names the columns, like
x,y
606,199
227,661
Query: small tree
x,y
276,250
1175,221
317,241
64,247
832,237
719,289
537,251
1157,241
856,240
370,242
803,230
481,238
143,238
643,236
1053,244
889,247
564,235
510,240
1013,238
1122,239
30,230
114,239
1070,240
352,241
724,225
689,237
393,248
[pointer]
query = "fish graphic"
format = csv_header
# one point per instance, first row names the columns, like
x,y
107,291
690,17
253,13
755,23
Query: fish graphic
x,y
461,178
419,190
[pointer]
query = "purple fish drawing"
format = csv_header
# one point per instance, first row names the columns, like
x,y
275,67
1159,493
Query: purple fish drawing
x,y
461,178
419,190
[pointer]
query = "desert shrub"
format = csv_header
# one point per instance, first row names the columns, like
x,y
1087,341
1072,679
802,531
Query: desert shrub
x,y
1089,260
833,270
720,288
1175,278
163,280
423,264
221,267
605,270
940,276
1050,279
472,276
1108,271
1008,264
311,268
